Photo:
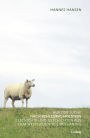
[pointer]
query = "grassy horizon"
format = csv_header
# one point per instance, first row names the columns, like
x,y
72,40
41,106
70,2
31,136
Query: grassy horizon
x,y
9,127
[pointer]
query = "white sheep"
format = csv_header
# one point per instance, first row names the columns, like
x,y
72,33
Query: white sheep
x,y
19,92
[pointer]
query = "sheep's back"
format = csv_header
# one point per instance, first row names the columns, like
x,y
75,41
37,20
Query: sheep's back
x,y
14,89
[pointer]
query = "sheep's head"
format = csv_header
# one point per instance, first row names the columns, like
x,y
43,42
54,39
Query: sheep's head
x,y
30,83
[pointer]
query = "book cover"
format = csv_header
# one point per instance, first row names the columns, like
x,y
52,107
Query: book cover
x,y
45,69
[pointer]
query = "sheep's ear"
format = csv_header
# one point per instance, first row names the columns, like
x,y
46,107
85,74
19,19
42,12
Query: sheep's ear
x,y
26,80
33,79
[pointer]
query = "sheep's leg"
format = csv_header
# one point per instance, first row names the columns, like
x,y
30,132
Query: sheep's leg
x,y
26,103
13,103
5,101
22,100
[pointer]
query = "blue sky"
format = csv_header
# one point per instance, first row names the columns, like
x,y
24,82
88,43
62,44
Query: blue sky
x,y
52,47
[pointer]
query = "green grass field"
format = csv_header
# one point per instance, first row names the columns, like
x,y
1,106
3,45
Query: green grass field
x,y
17,123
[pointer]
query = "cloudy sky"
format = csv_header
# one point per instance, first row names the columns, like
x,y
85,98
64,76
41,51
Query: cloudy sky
x,y
52,47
